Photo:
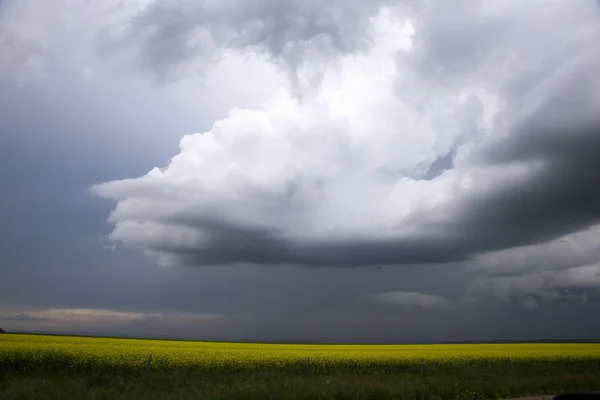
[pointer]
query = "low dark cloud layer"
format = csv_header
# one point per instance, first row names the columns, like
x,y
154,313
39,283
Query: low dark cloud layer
x,y
22,318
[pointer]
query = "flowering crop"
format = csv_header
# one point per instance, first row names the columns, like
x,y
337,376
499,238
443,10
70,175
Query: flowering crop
x,y
63,353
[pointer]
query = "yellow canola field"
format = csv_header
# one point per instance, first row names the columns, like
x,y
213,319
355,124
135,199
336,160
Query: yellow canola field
x,y
80,353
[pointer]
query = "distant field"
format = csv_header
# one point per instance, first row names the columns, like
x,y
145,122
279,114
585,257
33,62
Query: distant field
x,y
226,370
35,352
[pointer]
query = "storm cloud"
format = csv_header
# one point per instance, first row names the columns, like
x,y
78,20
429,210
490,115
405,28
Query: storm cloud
x,y
579,283
333,180
263,150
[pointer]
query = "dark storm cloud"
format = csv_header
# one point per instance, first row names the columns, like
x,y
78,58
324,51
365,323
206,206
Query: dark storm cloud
x,y
571,251
561,140
560,197
536,173
581,283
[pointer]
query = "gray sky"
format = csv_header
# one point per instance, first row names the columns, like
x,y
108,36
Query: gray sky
x,y
283,170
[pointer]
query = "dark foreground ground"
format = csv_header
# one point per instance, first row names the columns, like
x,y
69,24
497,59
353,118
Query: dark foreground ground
x,y
458,383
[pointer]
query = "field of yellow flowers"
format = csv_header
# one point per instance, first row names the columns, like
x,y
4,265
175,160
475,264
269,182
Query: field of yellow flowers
x,y
63,353
52,367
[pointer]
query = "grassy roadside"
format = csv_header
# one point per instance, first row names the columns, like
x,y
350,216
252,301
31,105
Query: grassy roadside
x,y
457,383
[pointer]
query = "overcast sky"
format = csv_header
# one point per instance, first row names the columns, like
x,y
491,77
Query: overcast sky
x,y
351,170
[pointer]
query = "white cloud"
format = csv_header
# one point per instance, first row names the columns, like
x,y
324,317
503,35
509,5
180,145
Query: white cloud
x,y
295,167
100,320
51,40
346,163
411,301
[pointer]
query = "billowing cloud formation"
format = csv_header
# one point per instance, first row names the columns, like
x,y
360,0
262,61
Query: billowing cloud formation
x,y
432,137
410,301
